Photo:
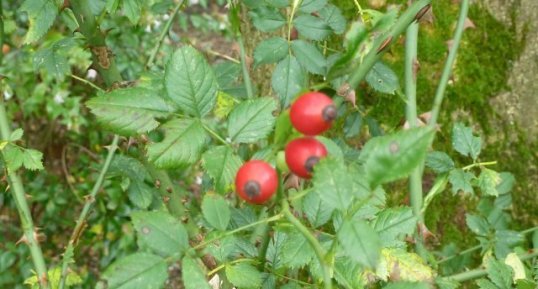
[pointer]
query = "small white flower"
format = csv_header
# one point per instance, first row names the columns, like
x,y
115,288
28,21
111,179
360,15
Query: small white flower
x,y
198,180
7,94
166,17
157,23
191,2
60,96
148,28
91,74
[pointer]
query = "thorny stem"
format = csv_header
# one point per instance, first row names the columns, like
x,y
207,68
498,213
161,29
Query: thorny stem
x,y
90,199
375,54
439,94
477,273
164,32
415,179
17,189
320,254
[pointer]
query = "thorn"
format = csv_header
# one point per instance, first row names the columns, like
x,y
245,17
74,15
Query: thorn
x,y
158,183
89,199
169,190
422,12
23,239
166,199
385,44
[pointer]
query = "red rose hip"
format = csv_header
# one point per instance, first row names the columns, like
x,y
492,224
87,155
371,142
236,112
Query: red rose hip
x,y
312,113
302,154
256,181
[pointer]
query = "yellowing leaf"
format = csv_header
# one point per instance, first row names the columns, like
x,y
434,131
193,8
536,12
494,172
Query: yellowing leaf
x,y
399,265
54,278
225,104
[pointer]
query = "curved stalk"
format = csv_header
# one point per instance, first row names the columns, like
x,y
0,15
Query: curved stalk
x,y
320,254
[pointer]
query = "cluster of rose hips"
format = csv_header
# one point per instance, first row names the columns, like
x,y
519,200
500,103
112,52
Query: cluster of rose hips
x,y
311,114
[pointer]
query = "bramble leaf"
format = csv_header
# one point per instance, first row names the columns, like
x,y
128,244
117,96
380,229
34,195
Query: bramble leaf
x,y
221,164
129,111
251,120
391,157
216,211
309,56
393,224
160,232
464,142
360,242
288,79
182,144
271,50
244,275
382,78
41,14
190,82
139,270
193,276
312,27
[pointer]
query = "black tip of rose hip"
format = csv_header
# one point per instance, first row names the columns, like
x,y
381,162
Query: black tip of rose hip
x,y
252,189
310,163
329,113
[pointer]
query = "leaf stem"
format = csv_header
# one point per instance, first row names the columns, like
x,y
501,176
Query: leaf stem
x,y
439,94
214,134
220,267
479,165
164,32
477,273
316,246
375,53
17,189
478,247
229,233
81,221
87,82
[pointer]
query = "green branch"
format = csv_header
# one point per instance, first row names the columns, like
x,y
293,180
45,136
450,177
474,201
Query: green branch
x,y
477,273
17,189
439,94
164,32
382,42
320,254
81,221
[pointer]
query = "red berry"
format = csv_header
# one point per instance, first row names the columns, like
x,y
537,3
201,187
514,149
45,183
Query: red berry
x,y
302,154
312,113
256,181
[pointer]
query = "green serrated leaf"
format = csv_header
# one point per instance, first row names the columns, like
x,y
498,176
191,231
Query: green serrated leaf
x,y
221,164
139,270
296,252
190,82
333,17
244,275
499,273
485,284
391,157
16,135
488,182
32,159
383,79
216,211
316,212
223,249
54,279
193,276
288,80
333,183
393,225
160,232
132,9
478,224
461,181
352,124
41,14
360,242
311,27
251,120
271,50
183,142
267,19
128,167
129,111
54,58
439,162
464,142
140,194
309,6
309,56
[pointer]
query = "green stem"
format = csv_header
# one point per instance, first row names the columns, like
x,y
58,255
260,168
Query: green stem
x,y
17,189
327,282
296,3
87,82
215,134
1,32
246,75
479,165
229,233
81,221
164,32
439,94
374,55
169,193
415,179
478,247
477,273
